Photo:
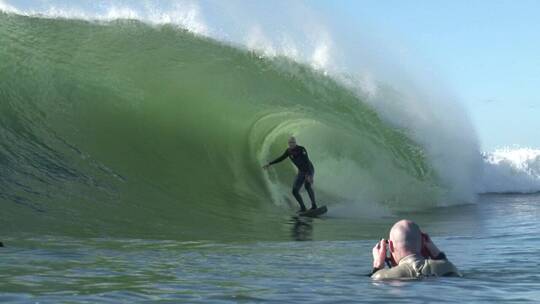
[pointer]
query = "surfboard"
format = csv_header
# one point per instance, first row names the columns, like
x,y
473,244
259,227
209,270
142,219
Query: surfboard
x,y
315,212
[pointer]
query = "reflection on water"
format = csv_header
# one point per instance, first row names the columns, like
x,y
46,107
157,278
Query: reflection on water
x,y
302,228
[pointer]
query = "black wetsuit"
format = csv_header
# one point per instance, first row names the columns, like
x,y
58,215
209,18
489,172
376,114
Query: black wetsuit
x,y
299,157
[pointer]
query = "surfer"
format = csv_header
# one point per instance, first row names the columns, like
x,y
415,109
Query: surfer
x,y
300,159
412,255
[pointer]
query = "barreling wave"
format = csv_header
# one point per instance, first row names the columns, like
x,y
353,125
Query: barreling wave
x,y
123,127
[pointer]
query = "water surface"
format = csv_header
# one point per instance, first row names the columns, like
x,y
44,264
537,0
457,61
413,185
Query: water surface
x,y
494,243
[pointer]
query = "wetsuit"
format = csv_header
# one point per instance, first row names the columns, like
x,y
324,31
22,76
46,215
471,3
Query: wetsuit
x,y
415,266
299,157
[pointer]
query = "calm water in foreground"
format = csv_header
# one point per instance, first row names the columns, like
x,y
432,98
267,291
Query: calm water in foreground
x,y
495,243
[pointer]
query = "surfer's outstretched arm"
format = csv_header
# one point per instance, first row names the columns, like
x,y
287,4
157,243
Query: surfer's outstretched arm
x,y
277,160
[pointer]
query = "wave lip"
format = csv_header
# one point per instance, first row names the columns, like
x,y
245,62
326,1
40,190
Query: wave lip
x,y
184,14
511,170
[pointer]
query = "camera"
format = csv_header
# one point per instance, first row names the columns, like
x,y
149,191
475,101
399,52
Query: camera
x,y
389,259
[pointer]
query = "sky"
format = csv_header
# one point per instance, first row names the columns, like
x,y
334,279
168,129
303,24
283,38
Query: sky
x,y
487,52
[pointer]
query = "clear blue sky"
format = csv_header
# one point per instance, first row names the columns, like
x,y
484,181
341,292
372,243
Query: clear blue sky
x,y
488,52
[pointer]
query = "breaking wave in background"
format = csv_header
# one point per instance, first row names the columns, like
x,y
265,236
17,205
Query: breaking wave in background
x,y
511,170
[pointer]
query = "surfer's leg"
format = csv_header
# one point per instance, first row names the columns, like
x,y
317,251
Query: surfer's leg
x,y
300,178
311,194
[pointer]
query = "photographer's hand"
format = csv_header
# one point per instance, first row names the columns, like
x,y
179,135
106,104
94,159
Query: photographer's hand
x,y
379,254
430,246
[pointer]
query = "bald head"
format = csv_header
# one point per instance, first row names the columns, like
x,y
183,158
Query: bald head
x,y
292,142
406,235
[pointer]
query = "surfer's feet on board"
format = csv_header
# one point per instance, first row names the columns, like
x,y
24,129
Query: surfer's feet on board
x,y
313,207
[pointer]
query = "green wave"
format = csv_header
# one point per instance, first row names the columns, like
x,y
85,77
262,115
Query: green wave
x,y
123,128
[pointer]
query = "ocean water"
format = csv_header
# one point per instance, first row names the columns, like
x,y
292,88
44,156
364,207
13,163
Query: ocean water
x,y
130,170
494,243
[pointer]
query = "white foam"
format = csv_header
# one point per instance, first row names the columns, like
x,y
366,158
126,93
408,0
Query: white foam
x,y
321,56
317,53
257,41
8,8
185,14
511,170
